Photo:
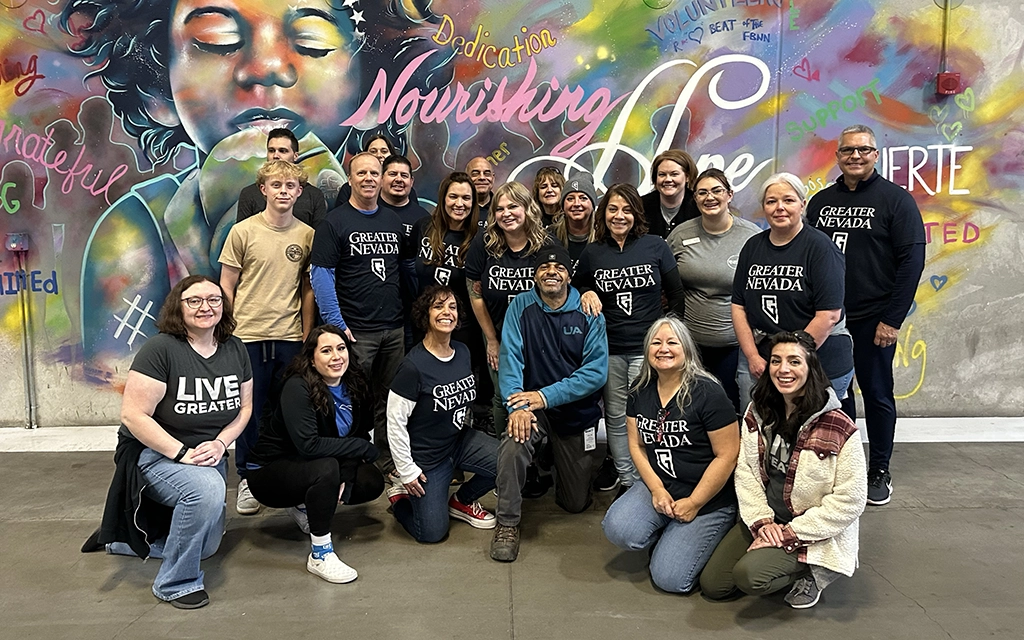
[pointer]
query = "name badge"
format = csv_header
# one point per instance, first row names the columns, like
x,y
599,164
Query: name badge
x,y
590,439
690,241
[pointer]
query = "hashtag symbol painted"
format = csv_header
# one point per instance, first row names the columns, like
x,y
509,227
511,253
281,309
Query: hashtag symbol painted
x,y
133,306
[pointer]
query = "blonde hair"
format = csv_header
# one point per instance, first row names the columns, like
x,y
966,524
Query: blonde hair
x,y
691,369
281,168
494,237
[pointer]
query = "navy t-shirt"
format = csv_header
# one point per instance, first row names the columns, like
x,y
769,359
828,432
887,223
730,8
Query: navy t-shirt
x,y
782,287
677,442
409,214
443,393
501,279
364,251
452,273
629,283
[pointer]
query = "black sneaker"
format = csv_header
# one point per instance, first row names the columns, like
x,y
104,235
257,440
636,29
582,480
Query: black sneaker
x,y
193,600
536,485
879,487
505,544
607,476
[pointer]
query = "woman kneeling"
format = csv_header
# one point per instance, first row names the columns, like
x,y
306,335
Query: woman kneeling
x,y
314,453
801,483
683,439
428,427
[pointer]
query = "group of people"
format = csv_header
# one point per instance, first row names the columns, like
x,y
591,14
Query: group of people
x,y
375,348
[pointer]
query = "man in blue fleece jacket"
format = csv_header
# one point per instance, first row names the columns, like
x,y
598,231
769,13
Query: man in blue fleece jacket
x,y
552,367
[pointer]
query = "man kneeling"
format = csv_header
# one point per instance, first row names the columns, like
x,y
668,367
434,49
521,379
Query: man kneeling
x,y
553,364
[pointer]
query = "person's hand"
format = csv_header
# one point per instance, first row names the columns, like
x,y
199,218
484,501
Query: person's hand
x,y
772,533
757,365
520,423
661,500
759,543
207,454
885,335
531,400
590,304
493,349
415,487
348,332
684,510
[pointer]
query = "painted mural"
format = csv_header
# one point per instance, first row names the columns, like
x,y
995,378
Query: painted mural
x,y
128,127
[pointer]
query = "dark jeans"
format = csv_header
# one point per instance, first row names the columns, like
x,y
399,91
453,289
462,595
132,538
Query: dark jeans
x,y
380,353
426,518
721,362
873,367
757,573
268,359
573,469
289,482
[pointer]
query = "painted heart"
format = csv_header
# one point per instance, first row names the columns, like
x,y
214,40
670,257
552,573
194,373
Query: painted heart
x,y
696,35
803,70
938,114
938,282
965,100
950,131
913,308
35,22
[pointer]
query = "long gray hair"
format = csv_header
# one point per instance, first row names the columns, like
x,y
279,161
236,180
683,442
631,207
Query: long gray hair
x,y
692,367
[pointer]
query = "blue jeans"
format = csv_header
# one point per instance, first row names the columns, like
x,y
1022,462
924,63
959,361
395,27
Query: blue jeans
x,y
622,370
268,359
746,382
197,496
681,549
426,518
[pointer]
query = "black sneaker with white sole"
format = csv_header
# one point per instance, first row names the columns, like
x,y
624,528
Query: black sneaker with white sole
x,y
879,487
607,476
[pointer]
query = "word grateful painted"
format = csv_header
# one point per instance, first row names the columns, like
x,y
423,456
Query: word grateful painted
x,y
11,282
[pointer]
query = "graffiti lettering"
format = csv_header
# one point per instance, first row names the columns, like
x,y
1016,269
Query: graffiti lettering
x,y
493,108
12,282
724,25
905,353
753,36
794,13
849,104
917,158
26,76
499,154
10,206
487,54
952,232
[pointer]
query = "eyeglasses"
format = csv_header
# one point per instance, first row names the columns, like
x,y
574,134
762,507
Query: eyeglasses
x,y
717,192
846,152
196,302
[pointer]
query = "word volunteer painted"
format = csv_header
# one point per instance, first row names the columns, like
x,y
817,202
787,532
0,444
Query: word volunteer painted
x,y
197,396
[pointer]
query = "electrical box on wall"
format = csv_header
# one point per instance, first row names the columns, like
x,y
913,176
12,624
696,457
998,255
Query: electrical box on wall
x,y
947,84
17,242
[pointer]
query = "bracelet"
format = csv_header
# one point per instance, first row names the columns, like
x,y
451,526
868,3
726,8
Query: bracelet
x,y
222,444
181,453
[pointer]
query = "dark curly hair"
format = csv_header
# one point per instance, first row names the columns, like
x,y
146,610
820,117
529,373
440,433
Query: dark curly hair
x,y
171,320
628,193
770,404
127,42
354,379
430,295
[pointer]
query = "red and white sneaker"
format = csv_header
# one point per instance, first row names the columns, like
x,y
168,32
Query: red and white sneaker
x,y
397,492
473,514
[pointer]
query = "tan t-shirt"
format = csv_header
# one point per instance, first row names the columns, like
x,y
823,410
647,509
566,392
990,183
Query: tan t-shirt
x,y
272,261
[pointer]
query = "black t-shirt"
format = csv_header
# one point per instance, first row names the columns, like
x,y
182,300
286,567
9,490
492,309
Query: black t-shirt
x,y
677,442
781,288
443,392
364,251
868,225
310,207
203,394
777,466
452,273
409,214
501,279
629,283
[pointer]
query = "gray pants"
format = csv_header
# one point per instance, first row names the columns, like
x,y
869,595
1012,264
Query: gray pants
x,y
573,469
379,354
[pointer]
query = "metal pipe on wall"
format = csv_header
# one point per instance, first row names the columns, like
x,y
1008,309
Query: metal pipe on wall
x,y
27,347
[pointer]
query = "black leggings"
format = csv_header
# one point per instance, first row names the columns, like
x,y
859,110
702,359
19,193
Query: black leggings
x,y
293,481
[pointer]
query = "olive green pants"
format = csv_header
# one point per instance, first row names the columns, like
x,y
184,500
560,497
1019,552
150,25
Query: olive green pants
x,y
733,569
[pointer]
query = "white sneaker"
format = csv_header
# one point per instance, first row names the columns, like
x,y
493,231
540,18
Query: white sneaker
x,y
245,504
298,514
331,569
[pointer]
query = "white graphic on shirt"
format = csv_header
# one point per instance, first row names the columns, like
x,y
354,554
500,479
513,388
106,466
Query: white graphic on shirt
x,y
378,268
840,237
770,306
634,277
454,395
196,396
846,217
664,459
624,301
442,276
511,297
369,243
459,417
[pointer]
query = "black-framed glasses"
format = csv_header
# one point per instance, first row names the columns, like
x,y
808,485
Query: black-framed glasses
x,y
195,301
846,152
718,192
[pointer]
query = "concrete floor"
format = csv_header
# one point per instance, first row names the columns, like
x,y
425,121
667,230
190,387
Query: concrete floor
x,y
945,559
